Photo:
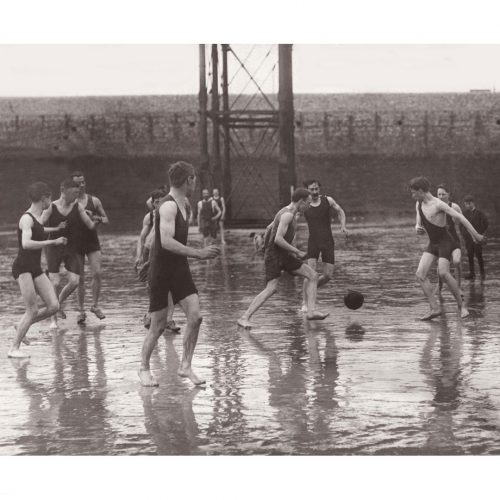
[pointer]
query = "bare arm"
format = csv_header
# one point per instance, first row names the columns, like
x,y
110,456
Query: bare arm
x,y
103,218
46,215
223,207
142,238
25,225
215,207
167,214
339,211
198,216
285,221
418,224
450,211
85,218
457,222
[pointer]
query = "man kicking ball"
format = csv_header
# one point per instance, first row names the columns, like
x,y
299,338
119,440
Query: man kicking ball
x,y
281,255
431,219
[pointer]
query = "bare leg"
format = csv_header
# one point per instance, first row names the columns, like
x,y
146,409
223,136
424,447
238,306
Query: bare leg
x,y
257,303
55,279
426,261
69,288
95,270
221,228
29,289
191,307
81,291
312,264
310,292
148,345
444,272
457,262
327,274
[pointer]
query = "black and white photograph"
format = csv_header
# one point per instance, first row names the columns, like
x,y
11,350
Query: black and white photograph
x,y
249,249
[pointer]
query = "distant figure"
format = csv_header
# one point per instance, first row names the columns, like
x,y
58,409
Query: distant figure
x,y
208,215
26,269
90,247
480,223
280,255
170,272
431,219
454,229
318,215
222,207
65,210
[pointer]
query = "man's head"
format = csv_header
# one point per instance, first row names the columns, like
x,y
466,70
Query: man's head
x,y
419,187
443,193
40,192
301,197
469,202
215,192
205,194
70,189
79,177
156,196
313,187
182,175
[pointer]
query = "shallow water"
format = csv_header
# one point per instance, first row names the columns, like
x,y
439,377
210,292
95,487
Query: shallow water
x,y
372,381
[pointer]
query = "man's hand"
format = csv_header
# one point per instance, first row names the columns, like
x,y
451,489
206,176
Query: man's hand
x,y
344,230
209,252
481,239
138,262
300,254
420,230
60,241
62,225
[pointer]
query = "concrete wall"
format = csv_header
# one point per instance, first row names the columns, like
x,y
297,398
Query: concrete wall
x,y
364,148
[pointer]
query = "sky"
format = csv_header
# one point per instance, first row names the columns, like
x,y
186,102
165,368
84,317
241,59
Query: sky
x,y
93,69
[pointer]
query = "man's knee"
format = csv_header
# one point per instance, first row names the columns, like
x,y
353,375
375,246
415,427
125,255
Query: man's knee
x,y
53,306
272,286
195,318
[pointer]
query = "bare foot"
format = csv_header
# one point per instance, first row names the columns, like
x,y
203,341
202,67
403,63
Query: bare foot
x,y
188,373
98,312
147,380
244,323
303,308
53,325
16,353
62,314
316,315
25,341
431,315
464,312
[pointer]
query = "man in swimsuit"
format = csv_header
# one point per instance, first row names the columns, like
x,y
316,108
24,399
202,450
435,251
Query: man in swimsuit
x,y
222,207
26,269
280,255
208,214
319,214
454,229
431,219
66,210
90,247
144,245
170,273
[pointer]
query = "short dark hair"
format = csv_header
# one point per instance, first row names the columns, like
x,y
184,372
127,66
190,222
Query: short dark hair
x,y
157,194
420,183
69,183
442,186
38,190
308,182
468,197
77,173
179,172
300,194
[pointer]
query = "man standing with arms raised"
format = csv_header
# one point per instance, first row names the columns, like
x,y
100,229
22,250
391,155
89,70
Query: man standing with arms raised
x,y
91,247
318,216
170,273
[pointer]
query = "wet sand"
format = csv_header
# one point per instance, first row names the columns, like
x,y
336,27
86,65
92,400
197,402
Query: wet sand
x,y
372,381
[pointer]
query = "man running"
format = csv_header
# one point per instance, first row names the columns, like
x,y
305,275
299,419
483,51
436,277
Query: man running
x,y
222,207
319,214
281,255
454,229
67,212
208,214
26,269
90,247
170,273
431,219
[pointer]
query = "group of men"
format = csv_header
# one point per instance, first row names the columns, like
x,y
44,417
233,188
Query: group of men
x,y
66,230
162,252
